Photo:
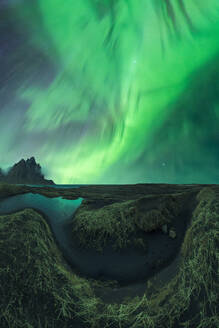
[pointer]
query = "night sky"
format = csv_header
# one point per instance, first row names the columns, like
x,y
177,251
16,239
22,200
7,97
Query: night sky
x,y
111,91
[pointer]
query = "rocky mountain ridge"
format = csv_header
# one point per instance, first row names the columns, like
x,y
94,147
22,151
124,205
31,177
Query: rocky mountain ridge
x,y
25,171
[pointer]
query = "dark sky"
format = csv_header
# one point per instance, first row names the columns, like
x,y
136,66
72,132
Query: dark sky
x,y
111,91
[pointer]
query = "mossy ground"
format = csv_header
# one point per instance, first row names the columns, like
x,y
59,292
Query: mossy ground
x,y
39,290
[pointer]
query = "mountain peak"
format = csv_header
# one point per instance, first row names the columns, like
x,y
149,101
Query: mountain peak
x,y
25,171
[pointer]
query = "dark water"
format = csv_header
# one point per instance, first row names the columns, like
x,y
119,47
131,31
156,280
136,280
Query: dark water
x,y
125,267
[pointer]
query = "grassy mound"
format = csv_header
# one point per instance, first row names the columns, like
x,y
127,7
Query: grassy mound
x,y
123,223
36,288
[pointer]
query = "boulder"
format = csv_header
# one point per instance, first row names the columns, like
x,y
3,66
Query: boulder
x,y
172,233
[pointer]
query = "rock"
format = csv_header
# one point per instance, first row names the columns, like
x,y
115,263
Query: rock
x,y
164,228
28,172
172,233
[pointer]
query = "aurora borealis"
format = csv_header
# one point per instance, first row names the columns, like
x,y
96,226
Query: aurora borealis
x,y
111,91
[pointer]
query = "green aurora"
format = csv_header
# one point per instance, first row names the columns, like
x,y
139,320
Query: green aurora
x,y
129,90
